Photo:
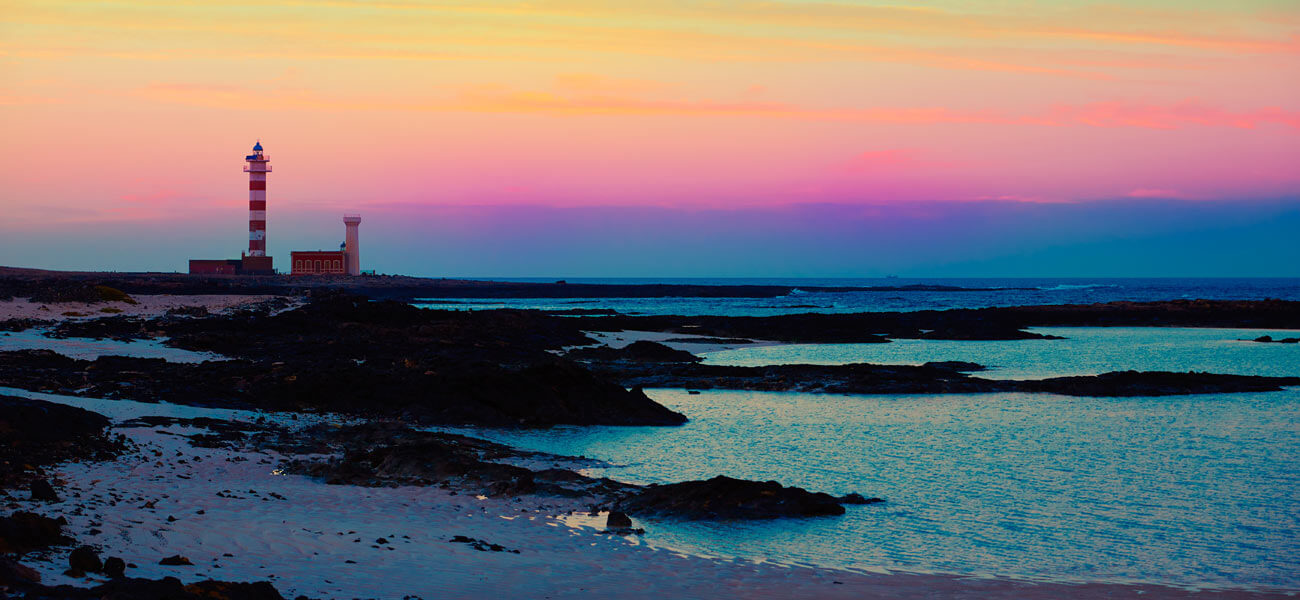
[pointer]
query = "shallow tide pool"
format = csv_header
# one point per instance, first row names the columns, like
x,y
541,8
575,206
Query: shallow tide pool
x,y
92,348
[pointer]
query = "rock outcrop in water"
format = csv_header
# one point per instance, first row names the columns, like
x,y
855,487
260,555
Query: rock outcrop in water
x,y
387,454
1268,339
930,378
384,454
1000,323
1156,383
726,498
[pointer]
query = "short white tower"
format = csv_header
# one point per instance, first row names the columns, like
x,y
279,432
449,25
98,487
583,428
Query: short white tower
x,y
352,245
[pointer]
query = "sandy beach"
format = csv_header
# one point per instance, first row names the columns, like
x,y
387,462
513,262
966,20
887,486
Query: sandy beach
x,y
236,516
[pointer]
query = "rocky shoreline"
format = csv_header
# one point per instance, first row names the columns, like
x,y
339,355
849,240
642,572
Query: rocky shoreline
x,y
1002,323
39,434
47,285
369,377
675,371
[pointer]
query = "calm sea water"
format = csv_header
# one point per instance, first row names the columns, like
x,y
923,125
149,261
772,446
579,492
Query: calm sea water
x,y
1028,291
1086,351
1199,491
1194,491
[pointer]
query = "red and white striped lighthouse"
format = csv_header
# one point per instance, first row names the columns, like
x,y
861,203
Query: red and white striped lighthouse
x,y
257,169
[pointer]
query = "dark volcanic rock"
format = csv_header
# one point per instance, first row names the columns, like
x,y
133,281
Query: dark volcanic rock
x,y
346,354
23,532
727,498
16,575
188,311
639,351
167,588
1268,339
381,454
1000,323
34,433
955,365
856,498
114,567
1157,383
830,379
22,324
481,545
617,520
176,561
85,560
931,378
42,491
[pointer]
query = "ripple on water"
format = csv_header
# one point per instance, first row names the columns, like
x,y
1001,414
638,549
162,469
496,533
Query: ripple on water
x,y
1085,351
1193,490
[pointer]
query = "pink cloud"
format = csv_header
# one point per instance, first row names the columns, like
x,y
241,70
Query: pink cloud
x,y
1176,116
1156,193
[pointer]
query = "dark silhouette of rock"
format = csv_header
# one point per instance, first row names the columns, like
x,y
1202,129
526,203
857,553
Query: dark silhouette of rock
x,y
35,433
481,545
955,365
175,561
347,354
1000,323
617,520
640,351
85,560
726,498
926,379
856,498
1268,339
188,311
1156,383
114,567
14,574
167,588
43,491
22,532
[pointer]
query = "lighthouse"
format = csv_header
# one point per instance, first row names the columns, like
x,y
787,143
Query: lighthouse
x,y
257,169
351,244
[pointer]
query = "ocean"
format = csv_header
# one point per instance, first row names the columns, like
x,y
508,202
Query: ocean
x,y
976,293
1194,491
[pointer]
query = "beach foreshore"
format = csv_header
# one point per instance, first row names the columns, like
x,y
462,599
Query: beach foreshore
x,y
236,515
289,456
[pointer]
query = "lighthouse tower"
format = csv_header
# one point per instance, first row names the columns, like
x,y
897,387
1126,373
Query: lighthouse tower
x,y
257,169
351,245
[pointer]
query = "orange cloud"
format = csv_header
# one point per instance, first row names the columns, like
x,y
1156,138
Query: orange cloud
x,y
503,99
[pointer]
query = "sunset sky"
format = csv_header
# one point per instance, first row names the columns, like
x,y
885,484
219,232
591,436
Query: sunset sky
x,y
660,138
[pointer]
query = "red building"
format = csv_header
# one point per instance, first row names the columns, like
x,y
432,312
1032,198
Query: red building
x,y
225,266
247,265
319,262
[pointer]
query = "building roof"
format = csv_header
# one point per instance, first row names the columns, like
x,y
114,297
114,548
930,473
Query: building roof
x,y
258,146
